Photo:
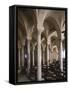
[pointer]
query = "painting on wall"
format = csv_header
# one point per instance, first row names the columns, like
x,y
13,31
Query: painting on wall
x,y
37,44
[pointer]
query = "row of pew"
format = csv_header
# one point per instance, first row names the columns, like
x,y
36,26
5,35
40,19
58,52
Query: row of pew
x,y
51,72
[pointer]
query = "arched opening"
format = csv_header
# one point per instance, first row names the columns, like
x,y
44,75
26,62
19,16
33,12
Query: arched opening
x,y
22,47
53,37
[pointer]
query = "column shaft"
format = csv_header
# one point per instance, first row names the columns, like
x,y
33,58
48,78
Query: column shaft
x,y
23,56
19,57
47,48
43,55
61,57
47,51
33,56
19,61
39,73
28,51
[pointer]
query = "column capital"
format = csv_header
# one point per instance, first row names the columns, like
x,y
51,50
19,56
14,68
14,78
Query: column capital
x,y
44,47
23,43
48,41
29,35
29,38
35,44
40,29
33,47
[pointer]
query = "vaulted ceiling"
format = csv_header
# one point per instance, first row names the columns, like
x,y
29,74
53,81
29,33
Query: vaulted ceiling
x,y
52,20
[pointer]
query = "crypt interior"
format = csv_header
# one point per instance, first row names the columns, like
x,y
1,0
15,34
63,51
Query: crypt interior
x,y
41,44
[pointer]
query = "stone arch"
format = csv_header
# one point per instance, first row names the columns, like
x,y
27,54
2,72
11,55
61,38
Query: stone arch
x,y
52,24
22,34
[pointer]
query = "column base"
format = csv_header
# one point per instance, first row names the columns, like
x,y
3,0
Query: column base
x,y
42,79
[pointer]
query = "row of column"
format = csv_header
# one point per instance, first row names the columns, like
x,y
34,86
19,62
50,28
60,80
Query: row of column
x,y
21,51
20,58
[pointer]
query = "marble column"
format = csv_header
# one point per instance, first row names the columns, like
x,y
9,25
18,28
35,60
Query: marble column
x,y
33,55
50,52
61,56
39,72
19,57
47,55
47,47
22,56
47,50
19,61
43,54
28,54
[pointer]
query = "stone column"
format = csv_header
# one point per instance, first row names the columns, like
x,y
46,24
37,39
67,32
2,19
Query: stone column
x,y
19,57
47,50
40,29
22,56
22,51
47,54
39,72
19,60
61,53
47,47
33,55
28,54
61,56
43,54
